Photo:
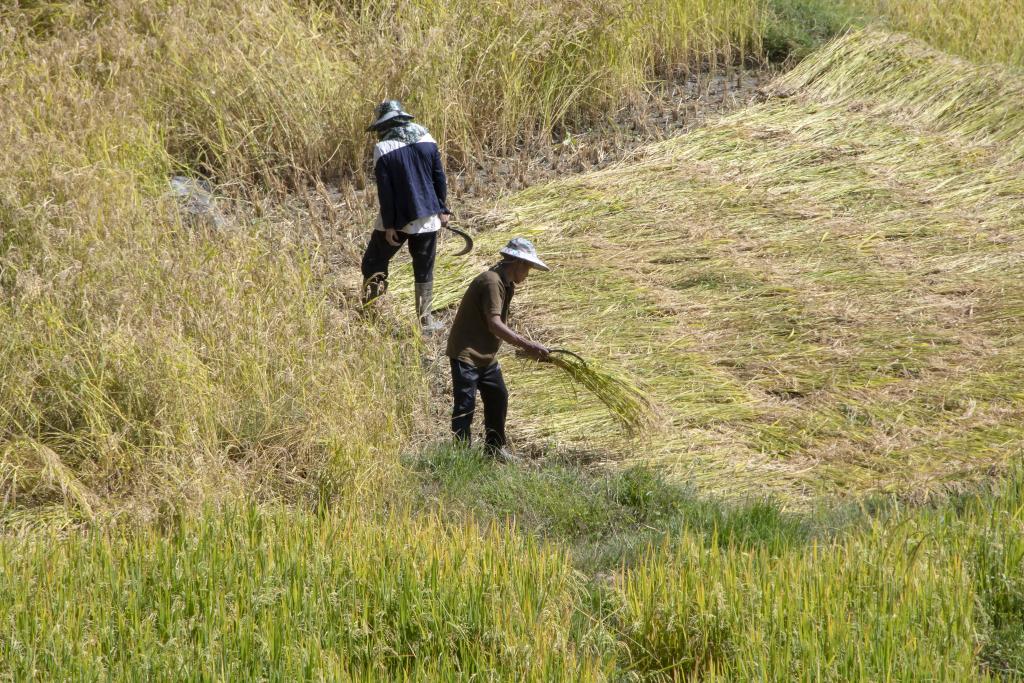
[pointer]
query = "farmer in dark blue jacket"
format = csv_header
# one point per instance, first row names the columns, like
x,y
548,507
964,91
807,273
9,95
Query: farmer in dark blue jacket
x,y
413,192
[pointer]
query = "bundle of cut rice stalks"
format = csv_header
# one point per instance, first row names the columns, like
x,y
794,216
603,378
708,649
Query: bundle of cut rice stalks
x,y
627,402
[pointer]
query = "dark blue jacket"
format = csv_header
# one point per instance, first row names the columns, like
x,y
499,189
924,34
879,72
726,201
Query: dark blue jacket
x,y
410,181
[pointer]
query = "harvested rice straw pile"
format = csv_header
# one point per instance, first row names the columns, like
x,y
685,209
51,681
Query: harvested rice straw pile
x,y
821,291
626,402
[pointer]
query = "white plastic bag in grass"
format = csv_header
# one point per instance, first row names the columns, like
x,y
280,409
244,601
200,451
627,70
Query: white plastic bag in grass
x,y
196,200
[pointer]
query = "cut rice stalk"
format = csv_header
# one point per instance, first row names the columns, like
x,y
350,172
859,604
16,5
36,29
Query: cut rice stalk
x,y
627,403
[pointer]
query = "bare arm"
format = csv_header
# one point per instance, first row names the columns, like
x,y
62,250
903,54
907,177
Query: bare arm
x,y
506,333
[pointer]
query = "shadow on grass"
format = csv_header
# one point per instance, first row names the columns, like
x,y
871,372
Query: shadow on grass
x,y
608,519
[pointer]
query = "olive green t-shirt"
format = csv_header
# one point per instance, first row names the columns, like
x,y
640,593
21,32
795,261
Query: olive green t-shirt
x,y
471,340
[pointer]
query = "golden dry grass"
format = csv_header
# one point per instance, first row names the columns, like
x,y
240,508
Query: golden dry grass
x,y
147,360
981,30
821,291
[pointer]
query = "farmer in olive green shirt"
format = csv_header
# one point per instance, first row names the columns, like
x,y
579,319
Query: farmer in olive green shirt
x,y
479,328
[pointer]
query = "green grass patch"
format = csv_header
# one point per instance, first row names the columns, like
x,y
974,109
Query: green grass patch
x,y
610,519
921,594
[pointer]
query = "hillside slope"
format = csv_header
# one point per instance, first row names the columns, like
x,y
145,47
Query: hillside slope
x,y
822,290
147,363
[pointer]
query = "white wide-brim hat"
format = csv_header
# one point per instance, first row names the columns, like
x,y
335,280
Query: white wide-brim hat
x,y
523,249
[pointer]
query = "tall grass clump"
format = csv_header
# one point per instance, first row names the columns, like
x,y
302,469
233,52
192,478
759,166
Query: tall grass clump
x,y
507,73
836,613
931,594
147,360
273,91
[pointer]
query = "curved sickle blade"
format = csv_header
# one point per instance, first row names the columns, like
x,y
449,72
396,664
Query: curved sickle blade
x,y
465,237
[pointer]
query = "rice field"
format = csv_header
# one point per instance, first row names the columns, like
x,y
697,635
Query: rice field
x,y
787,454
980,30
145,360
822,290
245,593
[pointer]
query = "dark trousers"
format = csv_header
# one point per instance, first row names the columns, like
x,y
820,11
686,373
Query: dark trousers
x,y
466,380
379,253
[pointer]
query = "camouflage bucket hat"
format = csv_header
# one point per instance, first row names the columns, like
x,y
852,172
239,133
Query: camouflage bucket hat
x,y
386,111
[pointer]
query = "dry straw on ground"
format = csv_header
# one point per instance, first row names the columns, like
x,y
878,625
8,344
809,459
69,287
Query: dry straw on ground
x,y
823,289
